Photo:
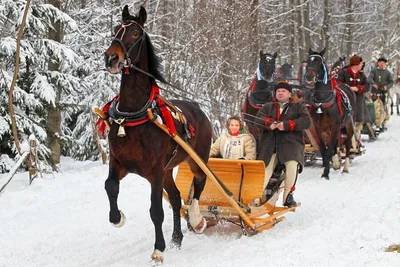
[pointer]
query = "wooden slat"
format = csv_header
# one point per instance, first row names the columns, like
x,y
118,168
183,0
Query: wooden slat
x,y
229,172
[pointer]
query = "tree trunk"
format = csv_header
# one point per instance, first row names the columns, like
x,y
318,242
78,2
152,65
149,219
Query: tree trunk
x,y
253,34
300,32
349,26
292,24
325,29
53,123
306,21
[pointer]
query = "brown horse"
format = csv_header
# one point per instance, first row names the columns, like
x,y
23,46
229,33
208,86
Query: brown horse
x,y
260,90
332,111
145,149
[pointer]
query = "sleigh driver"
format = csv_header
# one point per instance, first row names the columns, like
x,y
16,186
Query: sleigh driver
x,y
282,142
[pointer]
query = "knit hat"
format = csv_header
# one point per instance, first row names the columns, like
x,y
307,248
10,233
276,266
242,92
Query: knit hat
x,y
382,59
355,60
283,85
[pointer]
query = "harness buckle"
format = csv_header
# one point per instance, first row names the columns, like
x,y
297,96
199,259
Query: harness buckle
x,y
127,62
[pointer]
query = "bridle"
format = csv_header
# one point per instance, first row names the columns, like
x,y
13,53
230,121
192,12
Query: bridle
x,y
127,61
313,72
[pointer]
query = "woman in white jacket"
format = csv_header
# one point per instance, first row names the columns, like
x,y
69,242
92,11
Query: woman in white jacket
x,y
235,143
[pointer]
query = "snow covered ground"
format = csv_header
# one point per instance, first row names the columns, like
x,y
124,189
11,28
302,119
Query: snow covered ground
x,y
62,220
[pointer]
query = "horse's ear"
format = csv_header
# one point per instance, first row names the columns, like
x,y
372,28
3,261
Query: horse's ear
x,y
322,52
275,54
142,15
125,13
261,53
310,51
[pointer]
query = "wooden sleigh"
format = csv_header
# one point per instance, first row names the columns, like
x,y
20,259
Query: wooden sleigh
x,y
237,181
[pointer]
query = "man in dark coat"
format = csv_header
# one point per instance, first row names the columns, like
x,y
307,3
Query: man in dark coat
x,y
282,139
381,80
355,78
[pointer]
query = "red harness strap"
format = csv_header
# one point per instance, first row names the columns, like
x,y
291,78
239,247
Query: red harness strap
x,y
335,87
165,113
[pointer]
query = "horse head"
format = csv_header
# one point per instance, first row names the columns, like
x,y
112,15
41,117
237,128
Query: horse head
x,y
267,65
125,49
338,65
286,71
316,69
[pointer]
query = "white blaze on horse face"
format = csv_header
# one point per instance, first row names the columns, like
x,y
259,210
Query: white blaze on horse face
x,y
268,58
312,59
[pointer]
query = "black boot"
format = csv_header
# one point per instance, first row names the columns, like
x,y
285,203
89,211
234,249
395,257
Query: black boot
x,y
290,201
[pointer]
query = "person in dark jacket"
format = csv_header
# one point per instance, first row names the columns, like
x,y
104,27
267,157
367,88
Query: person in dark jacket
x,y
355,78
381,80
282,138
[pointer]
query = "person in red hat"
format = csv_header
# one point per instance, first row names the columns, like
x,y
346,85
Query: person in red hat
x,y
281,142
355,78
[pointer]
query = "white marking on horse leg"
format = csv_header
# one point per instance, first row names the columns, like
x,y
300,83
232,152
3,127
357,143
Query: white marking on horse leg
x,y
121,222
346,165
157,256
336,162
196,220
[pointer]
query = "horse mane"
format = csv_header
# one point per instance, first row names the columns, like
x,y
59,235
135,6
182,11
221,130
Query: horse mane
x,y
154,61
155,67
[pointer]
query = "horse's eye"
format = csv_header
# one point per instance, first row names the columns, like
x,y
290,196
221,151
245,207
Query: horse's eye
x,y
135,34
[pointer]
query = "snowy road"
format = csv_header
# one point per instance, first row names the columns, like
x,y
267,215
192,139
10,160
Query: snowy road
x,y
347,221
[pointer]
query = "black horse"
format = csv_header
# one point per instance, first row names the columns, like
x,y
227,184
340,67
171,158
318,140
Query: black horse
x,y
332,111
286,72
338,65
139,146
260,90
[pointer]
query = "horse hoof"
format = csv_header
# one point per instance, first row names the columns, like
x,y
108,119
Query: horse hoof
x,y
121,221
199,229
324,176
345,171
336,162
175,245
157,257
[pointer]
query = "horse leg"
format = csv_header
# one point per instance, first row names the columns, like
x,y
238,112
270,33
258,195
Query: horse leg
x,y
175,200
349,133
197,220
115,174
336,156
397,104
325,160
391,108
157,214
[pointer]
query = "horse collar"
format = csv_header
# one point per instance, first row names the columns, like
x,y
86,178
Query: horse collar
x,y
131,119
329,101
